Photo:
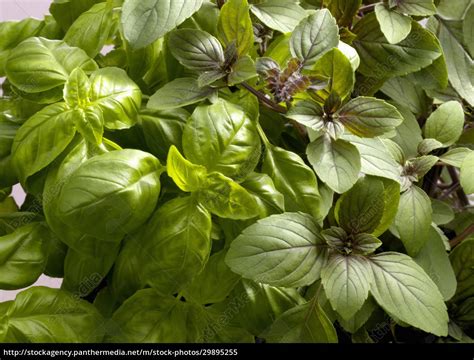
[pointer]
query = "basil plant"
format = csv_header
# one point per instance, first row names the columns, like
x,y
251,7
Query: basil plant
x,y
239,171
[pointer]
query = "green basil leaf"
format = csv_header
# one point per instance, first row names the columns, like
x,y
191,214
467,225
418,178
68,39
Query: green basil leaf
x,y
65,12
394,26
346,281
456,156
214,283
459,61
302,324
391,198
243,69
343,10
76,90
162,129
227,199
467,174
434,259
336,162
403,289
91,30
117,96
44,315
187,176
462,259
262,304
13,33
314,36
468,30
148,318
100,197
90,123
360,210
369,117
222,138
196,49
145,21
294,179
413,219
23,256
269,199
335,66
446,124
418,50
279,15
42,139
38,64
176,245
414,7
291,240
178,93
308,113
235,25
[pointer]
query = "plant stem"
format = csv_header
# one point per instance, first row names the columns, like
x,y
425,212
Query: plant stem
x,y
367,8
263,136
460,192
264,100
220,3
462,236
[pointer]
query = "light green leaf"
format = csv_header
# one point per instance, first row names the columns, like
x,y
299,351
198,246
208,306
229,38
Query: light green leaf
x,y
44,315
453,10
23,255
41,139
460,63
369,117
302,324
434,259
375,158
65,12
413,219
468,30
380,59
269,199
279,15
186,175
391,197
314,36
456,156
91,30
353,324
433,77
408,134
117,96
294,179
442,212
467,174
222,138
178,93
90,123
145,21
227,199
13,33
38,65
336,162
346,281
404,91
146,317
100,198
214,283
414,7
280,250
462,259
176,245
446,124
335,66
76,90
235,25
308,113
243,69
394,26
196,49
403,289
360,210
